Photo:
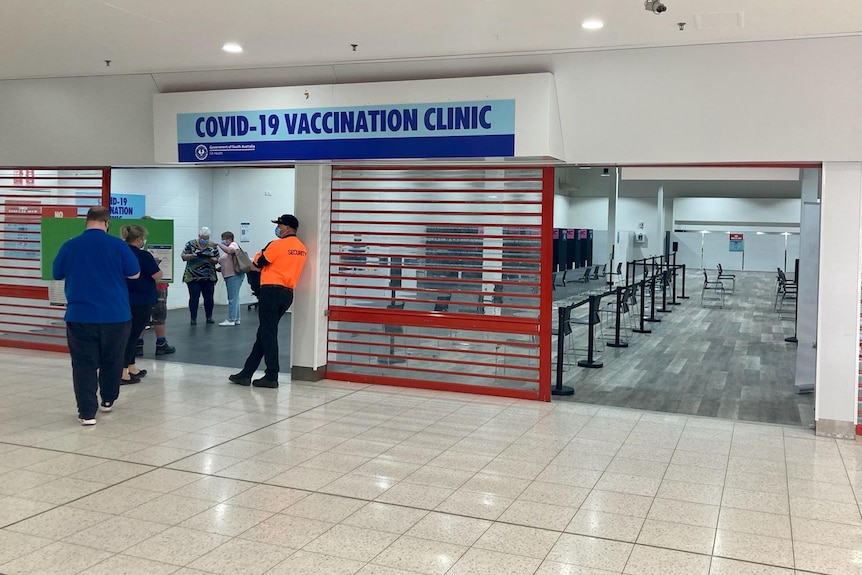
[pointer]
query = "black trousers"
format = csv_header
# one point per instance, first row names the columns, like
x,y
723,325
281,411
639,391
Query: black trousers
x,y
97,362
273,302
140,317
196,288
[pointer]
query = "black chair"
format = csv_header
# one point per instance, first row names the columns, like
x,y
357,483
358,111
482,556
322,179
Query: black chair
x,y
710,287
586,277
783,285
723,276
787,290
442,304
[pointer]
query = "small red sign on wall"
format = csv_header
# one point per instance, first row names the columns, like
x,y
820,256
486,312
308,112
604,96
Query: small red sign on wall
x,y
60,212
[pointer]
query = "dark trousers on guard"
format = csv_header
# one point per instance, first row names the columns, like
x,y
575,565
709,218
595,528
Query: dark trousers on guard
x,y
273,302
97,362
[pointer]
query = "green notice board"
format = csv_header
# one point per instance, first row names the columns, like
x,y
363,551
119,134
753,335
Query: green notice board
x,y
55,231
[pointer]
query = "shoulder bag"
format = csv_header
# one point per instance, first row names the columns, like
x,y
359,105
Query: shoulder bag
x,y
241,261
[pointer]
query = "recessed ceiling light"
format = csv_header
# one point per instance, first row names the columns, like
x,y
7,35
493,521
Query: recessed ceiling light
x,y
592,24
232,47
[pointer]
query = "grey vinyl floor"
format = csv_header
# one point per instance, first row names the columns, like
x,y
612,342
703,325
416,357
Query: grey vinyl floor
x,y
730,362
212,344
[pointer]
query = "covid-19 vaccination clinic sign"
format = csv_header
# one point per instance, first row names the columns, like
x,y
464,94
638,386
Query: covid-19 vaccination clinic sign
x,y
472,129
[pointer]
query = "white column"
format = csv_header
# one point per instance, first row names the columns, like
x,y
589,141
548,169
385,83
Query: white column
x,y
838,299
313,205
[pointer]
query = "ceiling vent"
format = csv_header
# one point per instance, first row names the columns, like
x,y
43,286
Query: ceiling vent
x,y
719,21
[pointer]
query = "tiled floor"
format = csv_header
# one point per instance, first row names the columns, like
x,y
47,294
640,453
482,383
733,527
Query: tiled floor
x,y
191,475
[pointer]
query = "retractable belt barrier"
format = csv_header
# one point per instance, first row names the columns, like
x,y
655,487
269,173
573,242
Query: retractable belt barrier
x,y
651,270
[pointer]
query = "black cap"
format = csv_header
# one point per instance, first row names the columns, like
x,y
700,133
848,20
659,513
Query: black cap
x,y
287,220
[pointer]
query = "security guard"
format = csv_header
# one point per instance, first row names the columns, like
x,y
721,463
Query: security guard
x,y
280,264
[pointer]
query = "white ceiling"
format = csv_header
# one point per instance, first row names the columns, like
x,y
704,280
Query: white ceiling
x,y
178,43
61,38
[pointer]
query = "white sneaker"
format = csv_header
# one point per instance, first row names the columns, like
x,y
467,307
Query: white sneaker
x,y
83,421
236,322
228,322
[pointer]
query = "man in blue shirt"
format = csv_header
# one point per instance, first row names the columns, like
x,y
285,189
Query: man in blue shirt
x,y
98,317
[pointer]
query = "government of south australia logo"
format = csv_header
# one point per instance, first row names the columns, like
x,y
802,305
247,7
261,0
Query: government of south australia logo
x,y
201,152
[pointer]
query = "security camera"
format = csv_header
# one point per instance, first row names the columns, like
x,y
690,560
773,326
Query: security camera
x,y
654,6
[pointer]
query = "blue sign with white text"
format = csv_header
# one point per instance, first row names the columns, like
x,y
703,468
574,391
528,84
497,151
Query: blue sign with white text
x,y
128,206
435,130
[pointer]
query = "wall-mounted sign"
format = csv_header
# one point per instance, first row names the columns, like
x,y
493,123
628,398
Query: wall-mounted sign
x,y
430,130
737,243
129,206
570,234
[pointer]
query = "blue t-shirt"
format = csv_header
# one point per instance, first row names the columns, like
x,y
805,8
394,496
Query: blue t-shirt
x,y
142,291
95,266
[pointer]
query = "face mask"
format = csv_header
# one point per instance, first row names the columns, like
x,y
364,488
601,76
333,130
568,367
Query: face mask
x,y
224,242
277,232
203,242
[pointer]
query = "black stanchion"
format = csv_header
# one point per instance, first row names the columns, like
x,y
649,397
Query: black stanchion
x,y
665,280
652,318
683,296
561,389
617,321
591,332
673,286
795,339
642,328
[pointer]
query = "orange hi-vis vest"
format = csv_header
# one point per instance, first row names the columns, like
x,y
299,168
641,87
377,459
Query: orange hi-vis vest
x,y
285,257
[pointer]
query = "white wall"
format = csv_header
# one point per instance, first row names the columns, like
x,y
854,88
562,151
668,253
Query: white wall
x,y
746,214
254,195
631,212
718,103
183,195
685,104
98,121
218,198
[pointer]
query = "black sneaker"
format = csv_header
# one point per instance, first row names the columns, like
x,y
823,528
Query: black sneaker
x,y
139,349
240,379
194,322
210,320
264,382
106,406
164,349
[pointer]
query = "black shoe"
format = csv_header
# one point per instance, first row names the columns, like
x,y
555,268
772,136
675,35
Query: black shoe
x,y
139,350
194,322
141,373
132,379
264,382
240,379
164,349
210,320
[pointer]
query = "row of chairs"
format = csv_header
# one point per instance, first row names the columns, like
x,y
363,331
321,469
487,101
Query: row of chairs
x,y
590,273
